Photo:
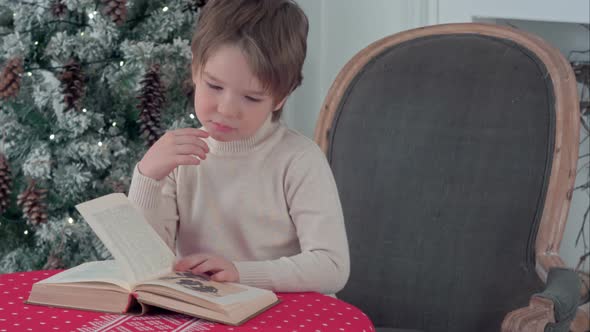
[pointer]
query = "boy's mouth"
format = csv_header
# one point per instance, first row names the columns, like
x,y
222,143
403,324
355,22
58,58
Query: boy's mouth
x,y
221,127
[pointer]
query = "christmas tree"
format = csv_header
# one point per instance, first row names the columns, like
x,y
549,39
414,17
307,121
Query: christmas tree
x,y
86,86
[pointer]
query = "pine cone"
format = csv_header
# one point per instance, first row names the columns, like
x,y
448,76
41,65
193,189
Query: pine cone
x,y
5,183
117,186
72,80
10,79
54,262
32,202
116,9
58,8
194,5
152,99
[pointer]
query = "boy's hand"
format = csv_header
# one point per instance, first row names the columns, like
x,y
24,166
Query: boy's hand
x,y
177,147
218,267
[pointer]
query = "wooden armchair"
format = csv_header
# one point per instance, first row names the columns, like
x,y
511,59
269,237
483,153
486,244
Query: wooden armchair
x,y
454,148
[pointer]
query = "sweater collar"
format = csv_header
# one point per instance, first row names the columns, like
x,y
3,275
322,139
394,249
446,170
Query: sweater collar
x,y
247,144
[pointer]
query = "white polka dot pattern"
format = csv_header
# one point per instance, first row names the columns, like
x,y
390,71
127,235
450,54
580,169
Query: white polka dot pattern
x,y
297,312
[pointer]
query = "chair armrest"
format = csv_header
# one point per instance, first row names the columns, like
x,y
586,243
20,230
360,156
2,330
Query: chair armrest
x,y
582,321
533,318
552,310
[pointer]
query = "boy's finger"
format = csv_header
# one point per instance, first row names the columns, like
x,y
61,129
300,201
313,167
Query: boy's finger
x,y
189,262
206,266
191,140
220,276
187,160
191,149
191,132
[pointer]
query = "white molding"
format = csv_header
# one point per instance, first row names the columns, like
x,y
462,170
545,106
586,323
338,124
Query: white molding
x,y
433,16
323,87
418,12
570,11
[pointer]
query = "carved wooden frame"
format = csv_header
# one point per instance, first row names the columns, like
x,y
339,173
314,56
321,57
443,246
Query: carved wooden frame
x,y
565,154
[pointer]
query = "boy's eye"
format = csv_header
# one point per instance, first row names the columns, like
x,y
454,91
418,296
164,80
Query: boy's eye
x,y
252,99
213,86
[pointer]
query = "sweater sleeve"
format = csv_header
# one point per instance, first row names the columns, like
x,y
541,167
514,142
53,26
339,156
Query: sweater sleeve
x,y
314,206
157,201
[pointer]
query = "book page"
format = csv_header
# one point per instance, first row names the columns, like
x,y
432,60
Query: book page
x,y
101,271
221,293
136,246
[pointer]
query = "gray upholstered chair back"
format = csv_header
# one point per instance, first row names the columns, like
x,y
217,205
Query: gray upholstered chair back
x,y
442,147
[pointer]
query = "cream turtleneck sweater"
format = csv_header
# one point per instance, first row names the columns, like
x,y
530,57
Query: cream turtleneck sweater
x,y
268,203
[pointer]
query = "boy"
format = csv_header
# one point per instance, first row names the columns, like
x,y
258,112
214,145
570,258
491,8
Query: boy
x,y
244,199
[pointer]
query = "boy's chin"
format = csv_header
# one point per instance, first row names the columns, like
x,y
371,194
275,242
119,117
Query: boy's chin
x,y
221,137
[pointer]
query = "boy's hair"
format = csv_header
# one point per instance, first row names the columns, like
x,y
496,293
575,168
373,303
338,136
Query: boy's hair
x,y
271,33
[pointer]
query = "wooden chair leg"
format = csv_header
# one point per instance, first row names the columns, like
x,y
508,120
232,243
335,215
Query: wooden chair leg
x,y
533,318
581,322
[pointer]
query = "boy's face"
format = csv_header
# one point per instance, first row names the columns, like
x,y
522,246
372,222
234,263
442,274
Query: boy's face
x,y
229,100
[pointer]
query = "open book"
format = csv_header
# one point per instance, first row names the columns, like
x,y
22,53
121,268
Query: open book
x,y
141,276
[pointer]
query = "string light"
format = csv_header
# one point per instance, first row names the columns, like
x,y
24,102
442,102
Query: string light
x,y
114,124
121,63
26,232
91,15
82,33
84,110
70,220
192,116
52,137
165,9
36,43
99,143
29,74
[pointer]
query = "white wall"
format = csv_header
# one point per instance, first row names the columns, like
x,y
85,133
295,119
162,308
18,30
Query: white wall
x,y
338,30
574,11
299,111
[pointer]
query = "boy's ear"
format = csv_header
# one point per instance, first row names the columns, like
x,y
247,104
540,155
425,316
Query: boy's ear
x,y
281,104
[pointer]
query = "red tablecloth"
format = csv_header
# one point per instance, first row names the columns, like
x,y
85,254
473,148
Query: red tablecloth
x,y
296,312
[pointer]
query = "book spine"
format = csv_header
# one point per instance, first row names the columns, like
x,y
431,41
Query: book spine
x,y
133,305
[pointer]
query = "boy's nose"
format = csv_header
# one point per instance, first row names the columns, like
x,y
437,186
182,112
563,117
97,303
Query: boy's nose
x,y
227,107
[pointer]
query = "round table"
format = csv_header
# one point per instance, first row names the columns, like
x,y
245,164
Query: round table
x,y
296,312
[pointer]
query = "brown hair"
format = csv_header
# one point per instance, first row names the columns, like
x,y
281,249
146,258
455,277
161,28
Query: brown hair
x,y
271,33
